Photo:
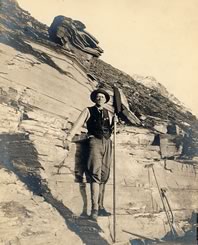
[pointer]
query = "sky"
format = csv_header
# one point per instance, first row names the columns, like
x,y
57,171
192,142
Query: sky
x,y
155,38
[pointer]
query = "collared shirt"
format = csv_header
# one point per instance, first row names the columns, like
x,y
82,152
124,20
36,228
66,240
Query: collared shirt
x,y
82,119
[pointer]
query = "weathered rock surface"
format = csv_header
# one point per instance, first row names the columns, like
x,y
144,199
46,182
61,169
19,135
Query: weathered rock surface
x,y
27,218
43,88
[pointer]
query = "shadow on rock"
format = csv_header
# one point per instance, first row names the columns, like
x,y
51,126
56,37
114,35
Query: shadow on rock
x,y
18,155
19,44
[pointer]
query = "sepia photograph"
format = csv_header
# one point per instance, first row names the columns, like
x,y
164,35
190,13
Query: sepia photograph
x,y
98,122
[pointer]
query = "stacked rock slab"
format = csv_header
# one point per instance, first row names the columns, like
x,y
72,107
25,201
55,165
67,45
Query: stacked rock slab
x,y
71,34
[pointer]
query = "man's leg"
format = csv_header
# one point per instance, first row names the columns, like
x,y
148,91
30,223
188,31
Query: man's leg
x,y
79,170
82,188
101,210
101,196
94,199
105,171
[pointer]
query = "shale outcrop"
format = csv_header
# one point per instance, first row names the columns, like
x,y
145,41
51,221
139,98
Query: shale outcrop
x,y
43,87
72,34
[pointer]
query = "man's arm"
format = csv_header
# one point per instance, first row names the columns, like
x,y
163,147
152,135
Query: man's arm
x,y
84,116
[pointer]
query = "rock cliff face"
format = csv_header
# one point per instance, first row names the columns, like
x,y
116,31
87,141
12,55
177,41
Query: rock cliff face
x,y
43,88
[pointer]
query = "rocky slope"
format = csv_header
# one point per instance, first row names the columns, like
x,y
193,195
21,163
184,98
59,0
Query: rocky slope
x,y
43,88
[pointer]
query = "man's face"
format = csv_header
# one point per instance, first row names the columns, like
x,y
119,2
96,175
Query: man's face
x,y
100,99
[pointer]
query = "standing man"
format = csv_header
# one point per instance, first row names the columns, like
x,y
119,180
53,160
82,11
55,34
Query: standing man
x,y
99,148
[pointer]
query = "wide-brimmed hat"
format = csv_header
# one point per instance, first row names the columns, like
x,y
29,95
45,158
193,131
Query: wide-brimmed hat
x,y
101,91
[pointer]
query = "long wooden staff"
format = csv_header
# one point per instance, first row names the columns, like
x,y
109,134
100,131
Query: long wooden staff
x,y
114,178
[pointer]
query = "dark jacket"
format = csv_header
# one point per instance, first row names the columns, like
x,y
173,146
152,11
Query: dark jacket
x,y
99,124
